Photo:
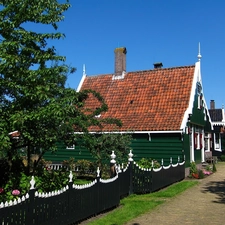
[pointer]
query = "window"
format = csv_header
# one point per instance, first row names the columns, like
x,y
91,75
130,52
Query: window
x,y
198,138
217,140
70,147
207,142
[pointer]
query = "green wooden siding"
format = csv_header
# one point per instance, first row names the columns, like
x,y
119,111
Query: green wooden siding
x,y
63,153
160,146
186,147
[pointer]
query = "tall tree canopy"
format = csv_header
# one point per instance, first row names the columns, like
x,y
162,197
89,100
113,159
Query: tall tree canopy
x,y
33,97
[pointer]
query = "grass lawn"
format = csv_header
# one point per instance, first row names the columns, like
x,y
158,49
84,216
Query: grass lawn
x,y
135,205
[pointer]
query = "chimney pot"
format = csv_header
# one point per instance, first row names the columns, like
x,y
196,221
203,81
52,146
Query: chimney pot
x,y
158,65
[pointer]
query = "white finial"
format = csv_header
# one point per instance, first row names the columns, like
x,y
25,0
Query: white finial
x,y
113,156
71,176
32,183
199,54
84,72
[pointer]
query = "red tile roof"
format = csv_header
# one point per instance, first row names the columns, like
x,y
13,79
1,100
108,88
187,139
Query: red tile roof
x,y
152,100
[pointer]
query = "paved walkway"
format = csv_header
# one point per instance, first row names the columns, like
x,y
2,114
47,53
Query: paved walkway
x,y
201,204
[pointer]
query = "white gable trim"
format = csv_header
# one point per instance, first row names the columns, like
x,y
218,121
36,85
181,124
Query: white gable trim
x,y
197,78
82,79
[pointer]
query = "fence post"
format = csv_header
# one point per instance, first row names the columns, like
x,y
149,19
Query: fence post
x,y
130,160
30,207
112,165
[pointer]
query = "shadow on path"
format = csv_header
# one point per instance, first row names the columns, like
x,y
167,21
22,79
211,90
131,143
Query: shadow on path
x,y
217,188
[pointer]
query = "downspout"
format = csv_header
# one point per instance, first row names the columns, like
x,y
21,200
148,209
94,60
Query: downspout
x,y
203,146
192,155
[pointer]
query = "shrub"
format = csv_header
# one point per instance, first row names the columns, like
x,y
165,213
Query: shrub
x,y
85,167
70,164
222,158
200,174
208,168
147,163
17,183
193,168
214,168
51,180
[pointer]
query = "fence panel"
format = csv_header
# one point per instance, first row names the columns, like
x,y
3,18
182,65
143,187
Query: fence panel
x,y
78,202
142,180
108,194
83,202
124,181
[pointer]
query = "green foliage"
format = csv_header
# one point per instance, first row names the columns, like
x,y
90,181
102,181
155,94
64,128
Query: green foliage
x,y
4,171
208,168
214,168
147,163
193,168
222,158
201,174
33,97
85,167
101,146
16,181
70,164
32,91
51,180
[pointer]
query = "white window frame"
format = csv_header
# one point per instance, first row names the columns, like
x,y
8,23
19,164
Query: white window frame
x,y
217,145
70,147
197,132
207,139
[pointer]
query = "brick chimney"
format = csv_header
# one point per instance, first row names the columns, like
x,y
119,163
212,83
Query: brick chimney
x,y
212,104
120,61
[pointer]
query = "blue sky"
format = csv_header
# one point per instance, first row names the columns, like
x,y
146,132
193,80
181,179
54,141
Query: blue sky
x,y
166,31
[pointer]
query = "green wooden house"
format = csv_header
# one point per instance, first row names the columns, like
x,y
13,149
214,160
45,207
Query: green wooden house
x,y
164,108
218,121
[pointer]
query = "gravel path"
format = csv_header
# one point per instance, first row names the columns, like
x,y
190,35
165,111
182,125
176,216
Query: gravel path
x,y
201,204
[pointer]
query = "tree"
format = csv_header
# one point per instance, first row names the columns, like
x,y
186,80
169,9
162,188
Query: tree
x,y
31,89
101,146
33,97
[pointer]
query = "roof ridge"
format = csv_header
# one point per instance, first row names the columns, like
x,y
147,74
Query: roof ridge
x,y
167,68
147,70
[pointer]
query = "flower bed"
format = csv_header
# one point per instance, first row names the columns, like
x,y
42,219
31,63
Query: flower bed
x,y
201,173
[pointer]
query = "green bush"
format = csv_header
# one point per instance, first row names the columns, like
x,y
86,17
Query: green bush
x,y
208,168
201,174
214,168
70,164
222,158
193,168
16,181
147,163
51,180
85,167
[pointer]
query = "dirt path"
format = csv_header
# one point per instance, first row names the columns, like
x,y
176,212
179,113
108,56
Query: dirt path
x,y
202,204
